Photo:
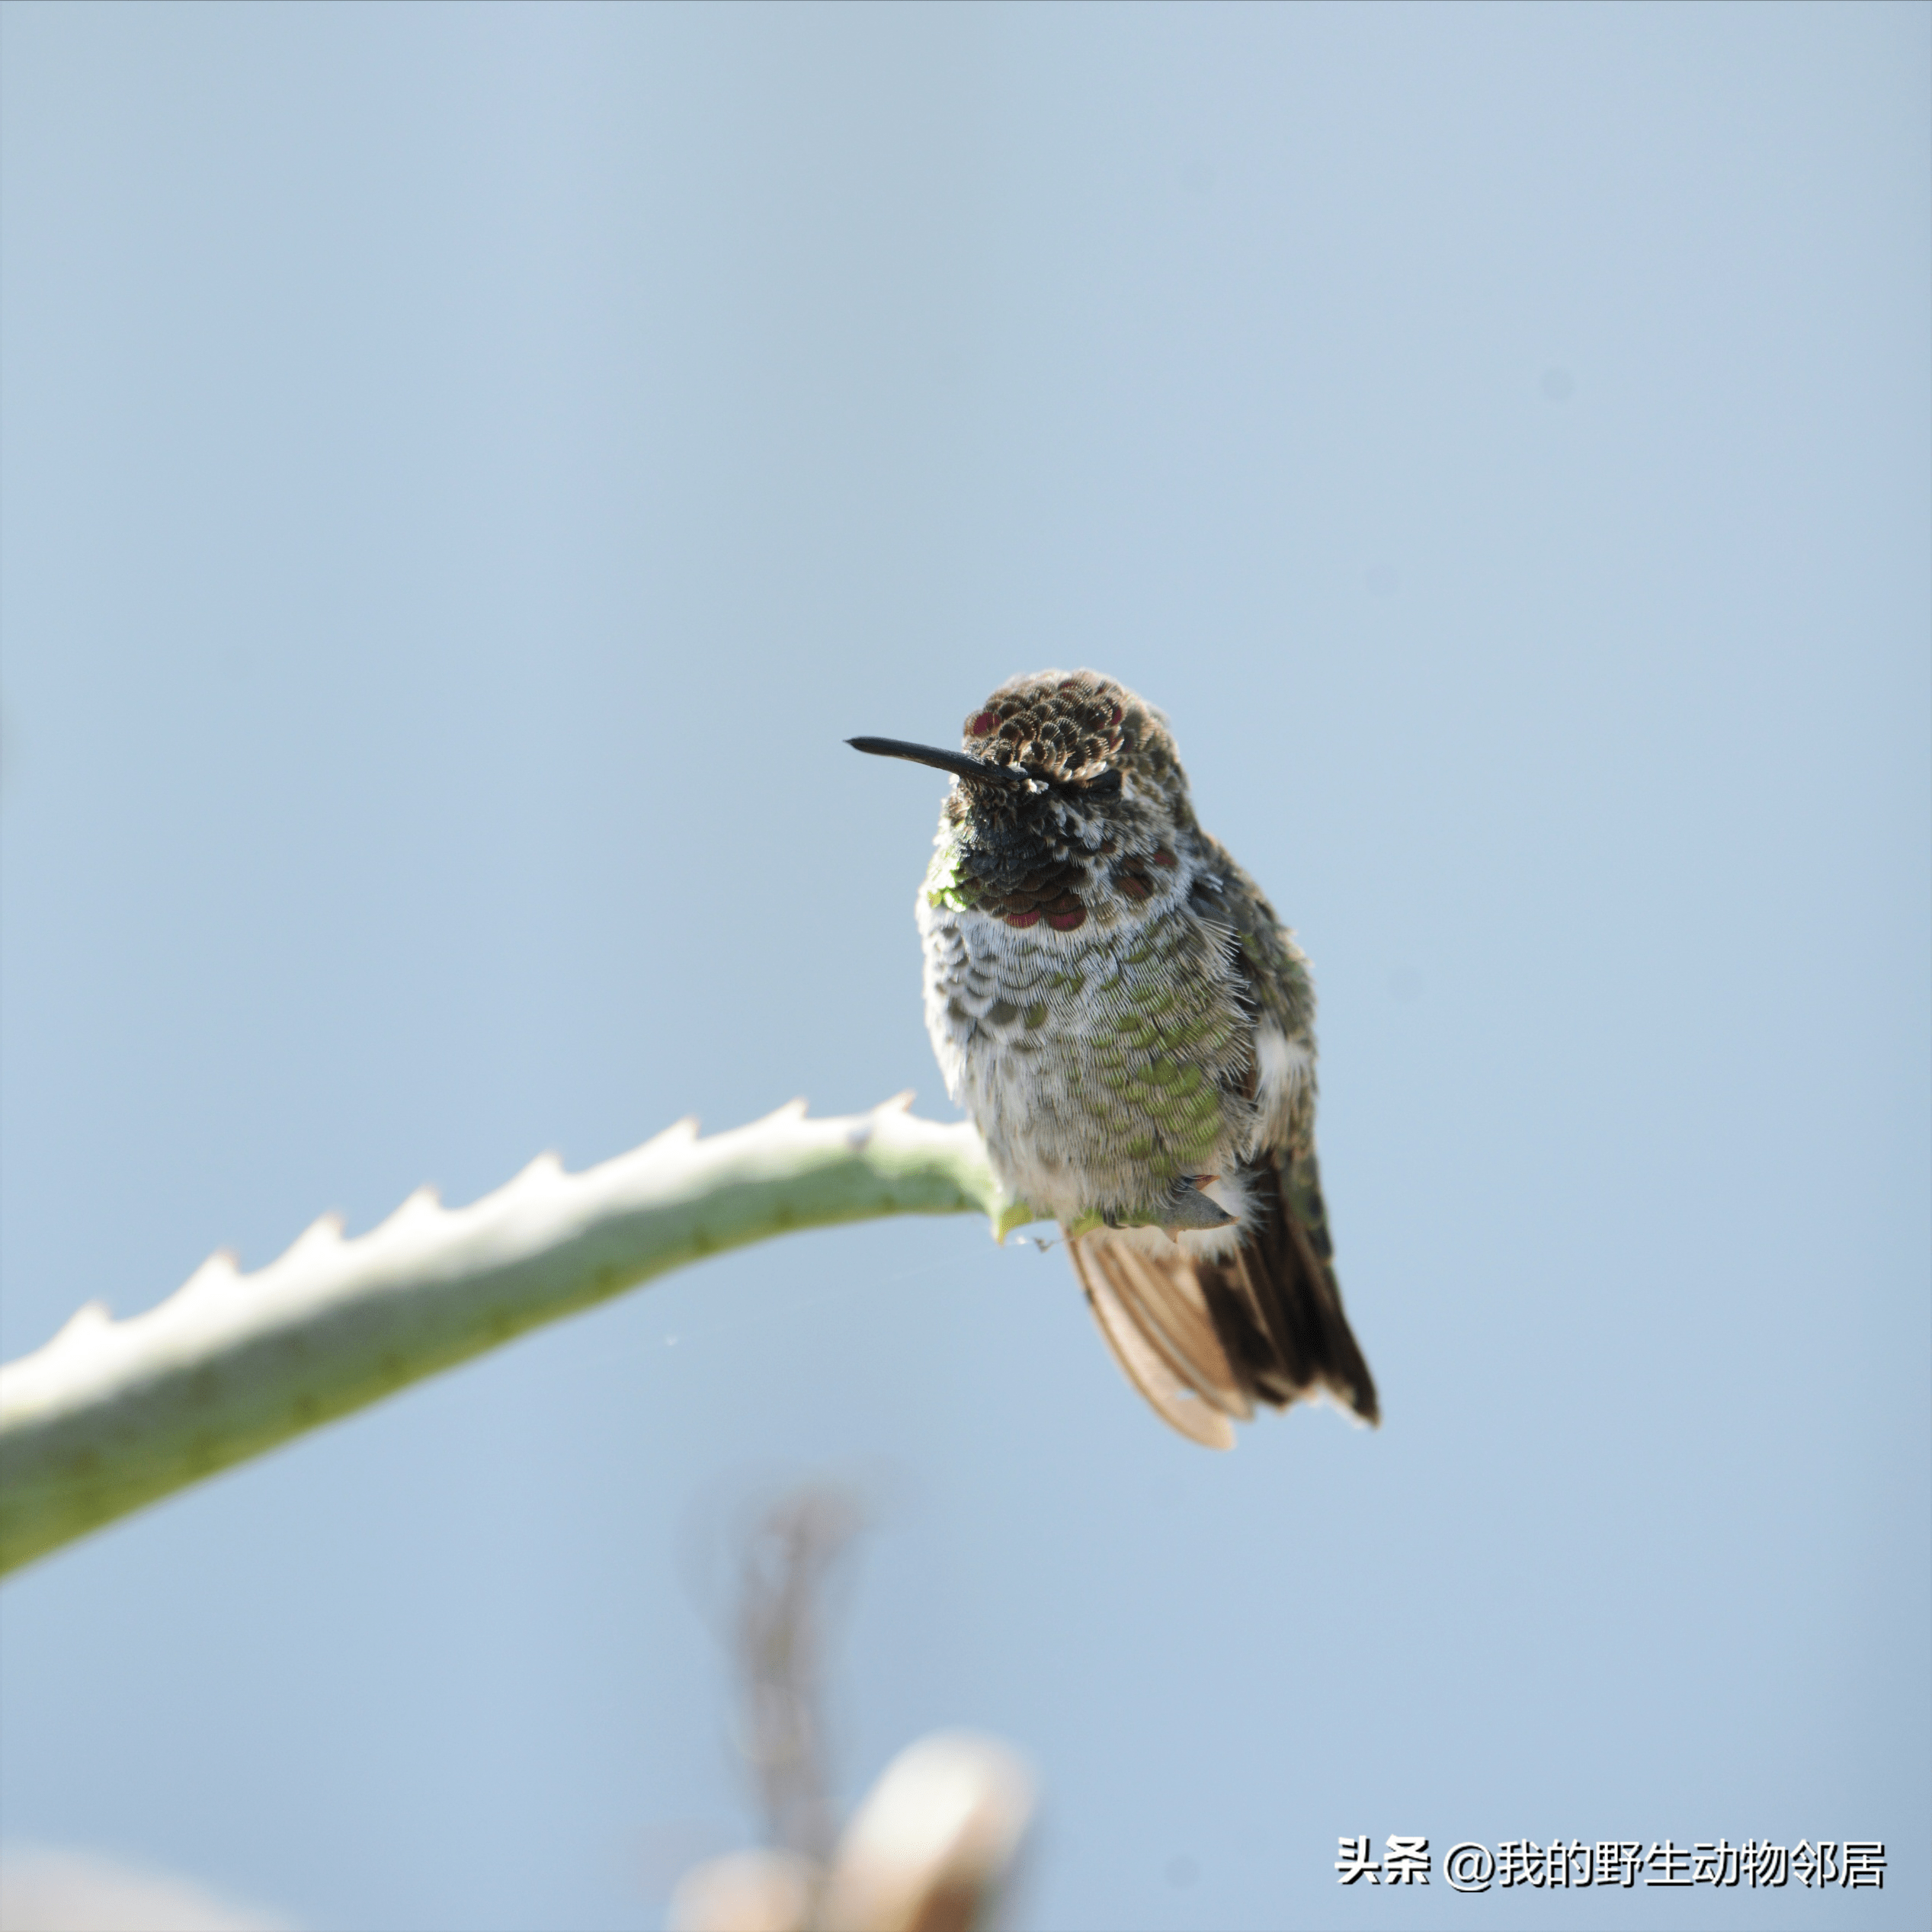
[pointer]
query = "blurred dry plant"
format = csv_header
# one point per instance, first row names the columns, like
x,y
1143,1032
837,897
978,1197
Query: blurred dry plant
x,y
787,1563
933,1844
43,1890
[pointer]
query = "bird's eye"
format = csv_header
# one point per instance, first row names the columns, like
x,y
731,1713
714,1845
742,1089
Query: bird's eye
x,y
1103,783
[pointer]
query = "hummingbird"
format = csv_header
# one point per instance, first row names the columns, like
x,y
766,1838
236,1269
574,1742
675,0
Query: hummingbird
x,y
1132,1030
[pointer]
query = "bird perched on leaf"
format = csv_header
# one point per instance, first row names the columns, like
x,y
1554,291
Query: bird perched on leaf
x,y
1132,1031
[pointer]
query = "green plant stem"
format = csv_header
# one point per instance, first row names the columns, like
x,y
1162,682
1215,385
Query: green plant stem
x,y
110,1415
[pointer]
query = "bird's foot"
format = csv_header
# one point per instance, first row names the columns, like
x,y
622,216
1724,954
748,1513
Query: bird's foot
x,y
1183,1208
1188,1208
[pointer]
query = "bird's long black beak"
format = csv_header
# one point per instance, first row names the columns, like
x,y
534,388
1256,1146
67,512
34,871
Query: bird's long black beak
x,y
961,764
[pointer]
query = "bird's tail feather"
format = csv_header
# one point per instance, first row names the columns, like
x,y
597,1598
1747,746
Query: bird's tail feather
x,y
1204,1340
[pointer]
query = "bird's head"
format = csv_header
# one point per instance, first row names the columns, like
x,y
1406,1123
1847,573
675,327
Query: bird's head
x,y
1068,803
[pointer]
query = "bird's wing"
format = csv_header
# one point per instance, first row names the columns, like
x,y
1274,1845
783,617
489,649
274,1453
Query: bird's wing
x,y
1205,1339
1275,1301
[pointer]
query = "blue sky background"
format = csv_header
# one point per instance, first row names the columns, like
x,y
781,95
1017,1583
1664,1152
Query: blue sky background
x,y
465,472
